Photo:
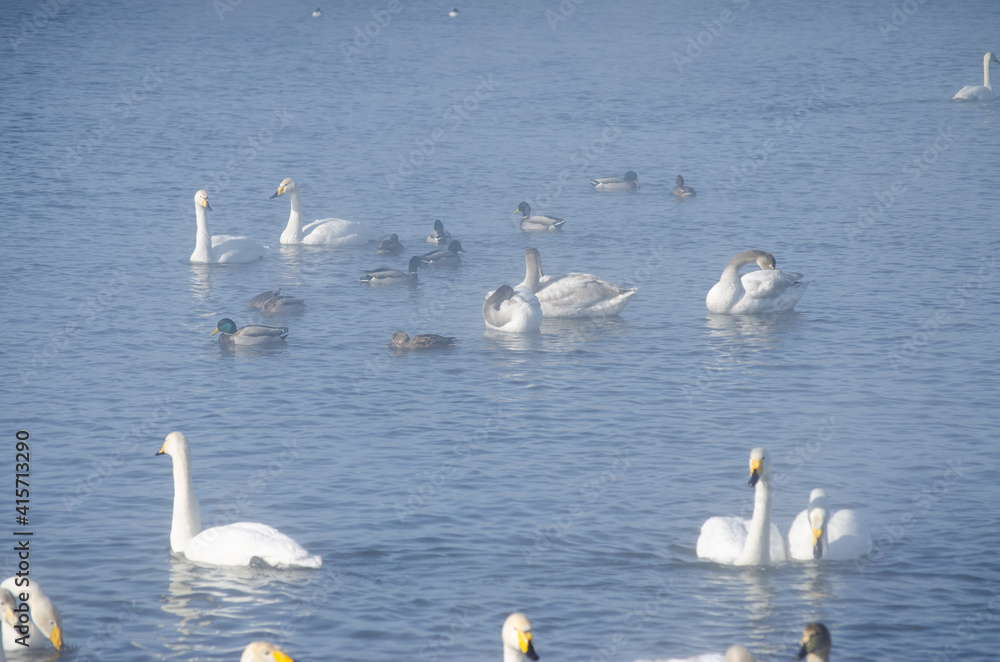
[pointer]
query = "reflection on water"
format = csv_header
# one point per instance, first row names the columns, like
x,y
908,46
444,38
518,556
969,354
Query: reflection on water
x,y
567,334
752,330
201,281
518,342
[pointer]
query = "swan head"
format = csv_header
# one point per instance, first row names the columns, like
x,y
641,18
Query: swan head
x,y
226,326
525,209
263,651
201,199
48,620
738,653
760,467
990,57
175,445
815,641
818,516
287,185
516,635
766,261
456,247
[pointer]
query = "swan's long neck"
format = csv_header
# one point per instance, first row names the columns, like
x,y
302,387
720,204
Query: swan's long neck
x,y
202,240
757,550
986,71
293,231
186,522
532,270
513,655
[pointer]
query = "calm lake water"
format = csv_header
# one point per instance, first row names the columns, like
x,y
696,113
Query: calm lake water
x,y
564,474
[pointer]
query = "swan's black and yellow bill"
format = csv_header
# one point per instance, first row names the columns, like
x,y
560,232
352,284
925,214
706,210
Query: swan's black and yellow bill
x,y
524,641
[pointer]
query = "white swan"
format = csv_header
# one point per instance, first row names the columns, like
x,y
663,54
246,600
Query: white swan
x,y
818,533
239,544
222,248
979,92
766,291
512,310
538,222
735,653
816,643
264,651
326,231
516,637
573,294
45,621
630,182
736,541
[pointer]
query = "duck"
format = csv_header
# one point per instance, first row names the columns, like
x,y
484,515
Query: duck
x,y
390,246
819,533
537,223
518,645
317,13
736,541
45,621
682,191
387,276
442,257
222,248
264,651
630,182
252,335
453,13
816,643
766,291
439,236
979,92
238,544
512,310
573,294
326,231
276,303
735,653
422,341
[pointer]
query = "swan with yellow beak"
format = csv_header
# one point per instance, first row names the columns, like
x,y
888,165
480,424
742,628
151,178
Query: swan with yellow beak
x,y
516,635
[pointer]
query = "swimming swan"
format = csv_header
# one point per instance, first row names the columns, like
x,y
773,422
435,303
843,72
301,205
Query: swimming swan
x,y
326,231
387,276
818,533
45,621
682,191
239,544
537,223
251,335
979,92
630,182
736,541
276,303
573,294
222,248
264,651
516,637
816,643
512,310
735,653
766,291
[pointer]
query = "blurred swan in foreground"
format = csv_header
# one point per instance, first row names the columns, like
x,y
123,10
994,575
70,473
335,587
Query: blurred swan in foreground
x,y
766,291
982,92
251,335
736,541
538,222
573,294
44,622
516,637
222,248
630,182
239,544
276,303
816,643
263,651
735,653
682,191
819,533
325,231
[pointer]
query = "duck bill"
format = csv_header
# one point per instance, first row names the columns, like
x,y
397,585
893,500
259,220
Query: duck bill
x,y
214,332
754,473
803,651
817,543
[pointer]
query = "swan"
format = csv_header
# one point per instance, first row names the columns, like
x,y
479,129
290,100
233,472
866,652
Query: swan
x,y
979,92
537,223
222,248
816,643
735,653
818,533
423,341
276,303
573,294
512,310
45,621
9,620
239,544
390,246
444,257
630,182
439,236
264,651
736,541
252,335
682,191
766,291
326,231
387,276
516,637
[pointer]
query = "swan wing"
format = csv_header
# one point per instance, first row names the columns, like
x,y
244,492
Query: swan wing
x,y
722,539
241,543
337,232
779,554
235,250
800,542
581,295
848,537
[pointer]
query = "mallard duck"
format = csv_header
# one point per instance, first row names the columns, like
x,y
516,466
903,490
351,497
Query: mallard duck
x,y
512,310
264,651
764,291
573,294
439,236
682,191
817,532
979,92
444,257
537,223
252,335
386,276
222,248
816,643
630,182
44,620
326,231
276,303
423,341
390,246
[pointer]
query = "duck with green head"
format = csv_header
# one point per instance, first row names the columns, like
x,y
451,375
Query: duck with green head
x,y
252,335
